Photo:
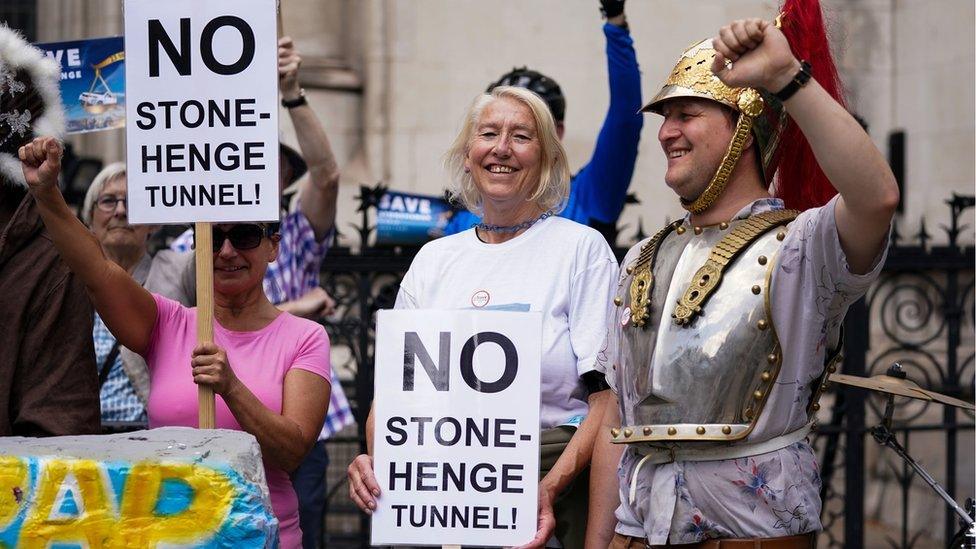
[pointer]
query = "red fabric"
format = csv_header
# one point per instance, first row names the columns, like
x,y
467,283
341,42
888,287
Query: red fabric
x,y
799,180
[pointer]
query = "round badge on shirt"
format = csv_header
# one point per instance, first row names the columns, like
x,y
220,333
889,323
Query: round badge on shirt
x,y
625,317
480,298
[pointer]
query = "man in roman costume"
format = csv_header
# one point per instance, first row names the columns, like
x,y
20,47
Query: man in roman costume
x,y
726,322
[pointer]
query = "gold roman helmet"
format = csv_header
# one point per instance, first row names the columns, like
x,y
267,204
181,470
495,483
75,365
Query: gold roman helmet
x,y
760,113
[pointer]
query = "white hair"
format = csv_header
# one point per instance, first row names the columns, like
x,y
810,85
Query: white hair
x,y
553,189
112,172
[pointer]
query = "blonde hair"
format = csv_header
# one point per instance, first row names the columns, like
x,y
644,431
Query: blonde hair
x,y
112,172
553,189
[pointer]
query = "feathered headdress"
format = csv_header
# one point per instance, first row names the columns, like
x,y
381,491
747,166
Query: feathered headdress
x,y
30,105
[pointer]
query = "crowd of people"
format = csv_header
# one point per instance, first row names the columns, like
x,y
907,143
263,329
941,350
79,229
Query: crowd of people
x,y
678,387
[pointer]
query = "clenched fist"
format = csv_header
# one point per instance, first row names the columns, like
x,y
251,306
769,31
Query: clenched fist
x,y
753,53
41,161
288,63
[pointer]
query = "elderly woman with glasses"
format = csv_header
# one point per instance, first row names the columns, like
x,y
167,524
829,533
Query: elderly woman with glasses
x,y
510,168
269,369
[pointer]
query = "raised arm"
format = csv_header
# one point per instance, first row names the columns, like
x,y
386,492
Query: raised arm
x,y
761,57
604,181
319,193
127,308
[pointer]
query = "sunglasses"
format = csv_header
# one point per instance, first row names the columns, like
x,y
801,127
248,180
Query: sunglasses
x,y
242,237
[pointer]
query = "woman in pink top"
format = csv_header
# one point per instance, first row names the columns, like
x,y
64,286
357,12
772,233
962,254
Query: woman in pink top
x,y
269,369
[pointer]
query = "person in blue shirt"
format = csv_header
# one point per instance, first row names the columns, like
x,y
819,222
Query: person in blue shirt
x,y
599,189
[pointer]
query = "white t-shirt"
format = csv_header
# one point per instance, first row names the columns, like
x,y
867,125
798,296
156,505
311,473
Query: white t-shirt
x,y
557,267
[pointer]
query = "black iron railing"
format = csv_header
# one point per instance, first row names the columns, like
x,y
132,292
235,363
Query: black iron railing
x,y
919,314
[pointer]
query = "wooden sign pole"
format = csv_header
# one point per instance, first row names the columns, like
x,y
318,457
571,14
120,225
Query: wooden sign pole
x,y
281,24
203,238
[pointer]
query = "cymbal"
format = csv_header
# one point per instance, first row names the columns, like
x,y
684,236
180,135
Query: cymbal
x,y
902,387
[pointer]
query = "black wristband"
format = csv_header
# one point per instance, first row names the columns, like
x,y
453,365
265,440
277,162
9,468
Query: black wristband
x,y
594,382
297,102
800,80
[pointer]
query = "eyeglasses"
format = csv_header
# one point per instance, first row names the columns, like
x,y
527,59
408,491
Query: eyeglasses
x,y
242,237
108,203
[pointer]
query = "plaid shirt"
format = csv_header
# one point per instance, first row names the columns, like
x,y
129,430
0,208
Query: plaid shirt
x,y
119,399
295,273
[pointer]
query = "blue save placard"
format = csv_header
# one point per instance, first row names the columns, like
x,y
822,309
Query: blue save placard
x,y
410,219
92,82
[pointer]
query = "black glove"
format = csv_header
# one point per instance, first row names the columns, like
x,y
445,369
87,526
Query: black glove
x,y
611,8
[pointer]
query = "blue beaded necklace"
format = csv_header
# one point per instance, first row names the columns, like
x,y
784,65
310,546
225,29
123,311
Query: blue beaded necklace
x,y
512,228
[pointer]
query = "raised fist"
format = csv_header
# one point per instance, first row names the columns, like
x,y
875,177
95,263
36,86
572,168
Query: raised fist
x,y
41,161
611,8
753,53
288,63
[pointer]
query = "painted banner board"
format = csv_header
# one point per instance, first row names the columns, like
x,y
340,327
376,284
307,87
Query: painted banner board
x,y
202,110
92,82
456,442
168,487
407,219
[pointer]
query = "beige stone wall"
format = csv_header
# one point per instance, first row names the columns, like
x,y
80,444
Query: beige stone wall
x,y
908,66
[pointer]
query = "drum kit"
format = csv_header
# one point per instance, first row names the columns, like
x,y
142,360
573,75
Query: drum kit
x,y
896,383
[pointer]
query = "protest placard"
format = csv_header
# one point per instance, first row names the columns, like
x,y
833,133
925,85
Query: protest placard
x,y
456,442
202,131
202,110
410,219
92,82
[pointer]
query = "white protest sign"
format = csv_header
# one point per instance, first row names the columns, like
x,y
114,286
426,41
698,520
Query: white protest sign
x,y
201,110
456,442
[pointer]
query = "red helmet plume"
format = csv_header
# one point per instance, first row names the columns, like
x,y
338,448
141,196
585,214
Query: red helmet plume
x,y
799,181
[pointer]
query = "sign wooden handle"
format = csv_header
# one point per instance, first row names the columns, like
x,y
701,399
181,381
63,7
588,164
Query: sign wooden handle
x,y
203,238
281,15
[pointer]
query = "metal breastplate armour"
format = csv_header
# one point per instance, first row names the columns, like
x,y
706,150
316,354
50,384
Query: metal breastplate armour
x,y
707,380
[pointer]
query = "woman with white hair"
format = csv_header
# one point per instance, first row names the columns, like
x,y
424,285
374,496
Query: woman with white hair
x,y
510,168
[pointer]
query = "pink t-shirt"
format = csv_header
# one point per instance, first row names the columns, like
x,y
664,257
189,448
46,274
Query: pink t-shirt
x,y
260,360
